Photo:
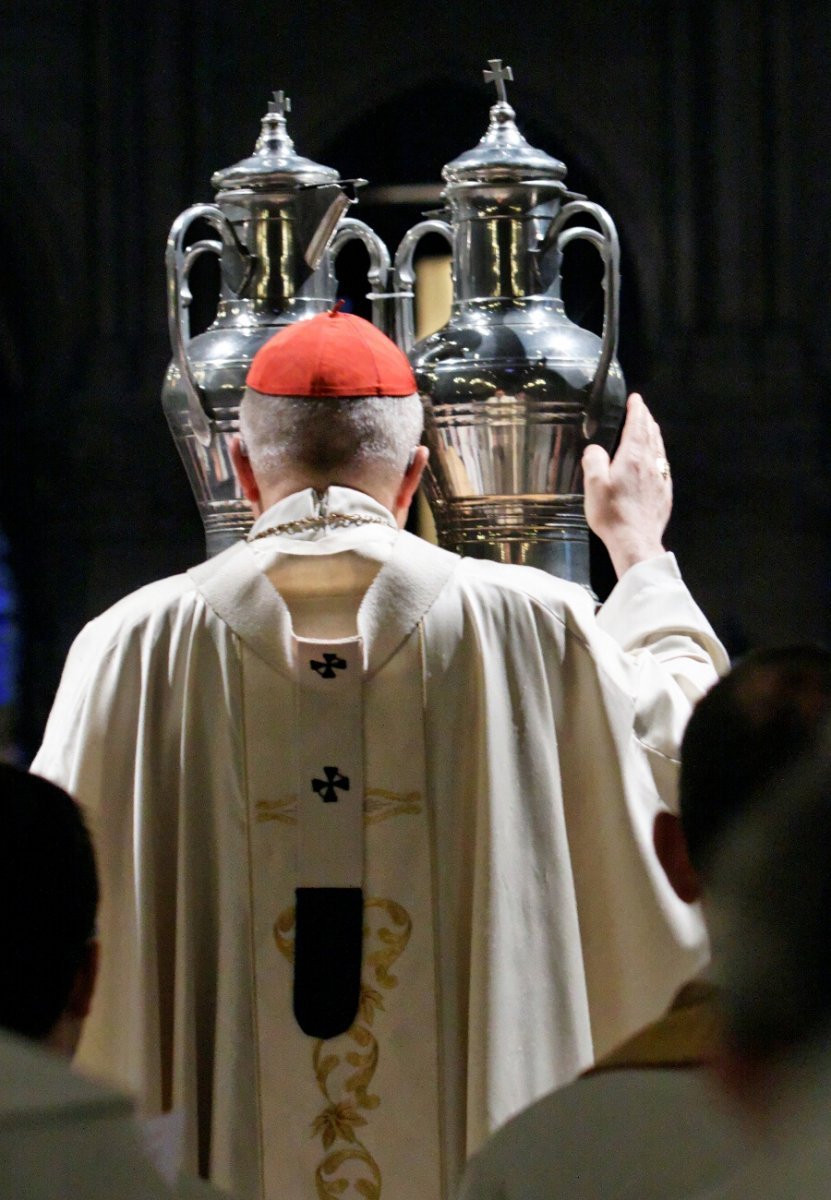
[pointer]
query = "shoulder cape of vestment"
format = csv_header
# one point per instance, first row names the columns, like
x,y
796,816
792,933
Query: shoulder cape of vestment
x,y
402,592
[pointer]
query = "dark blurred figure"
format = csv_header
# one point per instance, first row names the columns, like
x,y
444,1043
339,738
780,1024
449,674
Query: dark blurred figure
x,y
48,906
750,728
646,1121
771,922
60,1135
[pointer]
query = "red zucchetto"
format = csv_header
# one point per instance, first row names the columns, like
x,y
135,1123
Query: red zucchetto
x,y
333,354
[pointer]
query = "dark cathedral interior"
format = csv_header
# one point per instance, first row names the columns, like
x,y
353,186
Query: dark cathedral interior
x,y
390,976
702,127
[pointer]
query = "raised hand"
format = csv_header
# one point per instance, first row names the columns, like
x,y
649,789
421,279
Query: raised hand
x,y
629,498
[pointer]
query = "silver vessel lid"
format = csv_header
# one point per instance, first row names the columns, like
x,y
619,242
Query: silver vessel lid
x,y
274,163
503,153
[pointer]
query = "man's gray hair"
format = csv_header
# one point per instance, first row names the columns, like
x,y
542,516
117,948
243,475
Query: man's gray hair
x,y
330,434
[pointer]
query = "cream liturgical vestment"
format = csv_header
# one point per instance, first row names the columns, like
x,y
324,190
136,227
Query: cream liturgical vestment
x,y
464,746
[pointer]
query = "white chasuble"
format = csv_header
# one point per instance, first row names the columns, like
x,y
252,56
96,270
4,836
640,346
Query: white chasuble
x,y
353,1115
514,748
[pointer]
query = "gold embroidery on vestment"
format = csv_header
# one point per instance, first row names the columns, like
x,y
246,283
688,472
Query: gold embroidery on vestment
x,y
379,805
334,1164
344,1074
284,809
283,933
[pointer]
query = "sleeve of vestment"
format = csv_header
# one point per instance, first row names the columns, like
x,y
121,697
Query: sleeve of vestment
x,y
673,657
651,608
635,674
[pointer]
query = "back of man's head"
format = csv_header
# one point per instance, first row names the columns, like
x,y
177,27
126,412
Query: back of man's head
x,y
330,439
333,399
48,904
745,732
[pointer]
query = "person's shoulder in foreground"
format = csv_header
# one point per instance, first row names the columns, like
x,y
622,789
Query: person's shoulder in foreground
x,y
63,1136
588,1140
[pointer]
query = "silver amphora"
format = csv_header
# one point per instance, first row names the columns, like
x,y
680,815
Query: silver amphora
x,y
279,223
513,389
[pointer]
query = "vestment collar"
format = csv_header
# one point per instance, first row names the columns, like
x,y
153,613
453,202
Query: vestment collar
x,y
288,516
404,589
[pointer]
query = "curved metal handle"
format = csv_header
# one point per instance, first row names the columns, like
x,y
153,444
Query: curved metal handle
x,y
404,277
351,229
178,262
608,246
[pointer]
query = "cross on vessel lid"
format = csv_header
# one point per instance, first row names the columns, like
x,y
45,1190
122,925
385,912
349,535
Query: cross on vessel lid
x,y
274,163
503,153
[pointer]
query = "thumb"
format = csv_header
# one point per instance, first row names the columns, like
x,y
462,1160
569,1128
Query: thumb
x,y
595,464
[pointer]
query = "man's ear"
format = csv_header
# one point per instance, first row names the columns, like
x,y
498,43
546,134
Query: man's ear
x,y
750,1083
409,484
245,474
671,849
83,985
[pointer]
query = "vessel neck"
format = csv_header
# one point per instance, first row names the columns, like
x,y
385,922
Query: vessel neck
x,y
277,271
274,231
496,258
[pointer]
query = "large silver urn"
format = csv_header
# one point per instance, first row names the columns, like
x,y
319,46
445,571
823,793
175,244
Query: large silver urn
x,y
513,389
279,223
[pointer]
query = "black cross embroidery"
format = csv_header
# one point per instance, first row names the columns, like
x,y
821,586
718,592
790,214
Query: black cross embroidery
x,y
327,668
325,788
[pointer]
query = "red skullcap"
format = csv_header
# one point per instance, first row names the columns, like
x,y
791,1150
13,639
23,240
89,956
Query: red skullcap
x,y
333,354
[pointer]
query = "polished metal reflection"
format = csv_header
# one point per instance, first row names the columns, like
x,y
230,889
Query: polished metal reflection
x,y
279,223
513,389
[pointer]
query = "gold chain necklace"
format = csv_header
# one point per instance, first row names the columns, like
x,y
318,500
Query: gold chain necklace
x,y
305,524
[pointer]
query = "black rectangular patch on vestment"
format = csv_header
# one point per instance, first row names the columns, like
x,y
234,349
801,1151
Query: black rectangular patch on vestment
x,y
328,945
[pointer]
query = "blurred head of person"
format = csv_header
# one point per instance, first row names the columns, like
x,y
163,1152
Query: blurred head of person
x,y
48,906
756,816
748,729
